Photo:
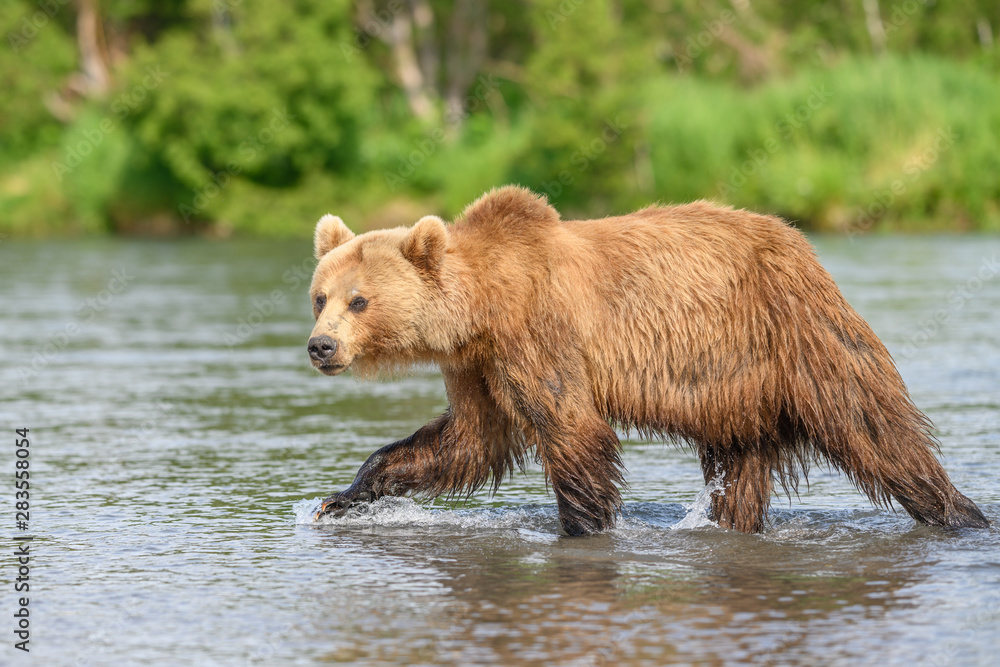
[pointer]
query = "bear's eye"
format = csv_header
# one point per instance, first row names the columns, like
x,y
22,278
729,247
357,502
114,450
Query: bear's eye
x,y
320,303
358,304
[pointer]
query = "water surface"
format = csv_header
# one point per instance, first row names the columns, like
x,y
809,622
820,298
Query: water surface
x,y
180,438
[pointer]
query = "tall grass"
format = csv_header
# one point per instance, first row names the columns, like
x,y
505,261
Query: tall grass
x,y
895,143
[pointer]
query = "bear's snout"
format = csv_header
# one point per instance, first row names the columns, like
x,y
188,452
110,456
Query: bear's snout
x,y
321,348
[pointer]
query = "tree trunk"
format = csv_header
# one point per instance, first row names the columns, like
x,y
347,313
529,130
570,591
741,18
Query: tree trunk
x,y
93,51
873,20
467,43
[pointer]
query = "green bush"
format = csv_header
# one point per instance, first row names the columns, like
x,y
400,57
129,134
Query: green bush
x,y
893,143
229,117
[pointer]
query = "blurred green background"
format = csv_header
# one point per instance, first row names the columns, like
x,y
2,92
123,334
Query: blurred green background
x,y
221,117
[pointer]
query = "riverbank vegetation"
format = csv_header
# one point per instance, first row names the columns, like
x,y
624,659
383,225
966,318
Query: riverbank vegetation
x,y
229,116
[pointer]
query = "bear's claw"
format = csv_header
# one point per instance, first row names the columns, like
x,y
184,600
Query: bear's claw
x,y
339,503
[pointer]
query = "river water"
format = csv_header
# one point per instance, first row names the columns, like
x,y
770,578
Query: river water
x,y
179,439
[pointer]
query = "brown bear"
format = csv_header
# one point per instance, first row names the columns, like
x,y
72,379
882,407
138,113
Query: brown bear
x,y
702,323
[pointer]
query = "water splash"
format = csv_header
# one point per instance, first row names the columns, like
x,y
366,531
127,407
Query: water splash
x,y
531,523
305,509
697,512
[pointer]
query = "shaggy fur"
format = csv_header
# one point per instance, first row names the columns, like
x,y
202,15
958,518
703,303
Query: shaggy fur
x,y
712,325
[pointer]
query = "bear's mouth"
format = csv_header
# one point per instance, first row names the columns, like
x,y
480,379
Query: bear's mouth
x,y
331,369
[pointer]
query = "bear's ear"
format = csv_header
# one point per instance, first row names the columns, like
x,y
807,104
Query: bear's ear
x,y
330,233
425,244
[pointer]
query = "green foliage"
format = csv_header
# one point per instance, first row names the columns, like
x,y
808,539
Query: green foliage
x,y
894,143
229,113
232,116
39,54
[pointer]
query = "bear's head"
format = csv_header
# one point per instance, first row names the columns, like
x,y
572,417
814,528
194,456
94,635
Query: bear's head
x,y
371,294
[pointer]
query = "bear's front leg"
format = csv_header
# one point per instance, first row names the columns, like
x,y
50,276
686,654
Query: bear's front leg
x,y
395,470
578,449
455,453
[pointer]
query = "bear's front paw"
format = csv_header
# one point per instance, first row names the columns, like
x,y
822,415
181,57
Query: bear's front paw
x,y
339,503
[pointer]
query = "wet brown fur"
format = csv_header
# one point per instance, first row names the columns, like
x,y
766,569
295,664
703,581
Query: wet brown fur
x,y
711,325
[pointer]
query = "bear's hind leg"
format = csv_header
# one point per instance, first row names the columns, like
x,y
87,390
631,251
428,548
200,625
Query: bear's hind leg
x,y
745,496
905,468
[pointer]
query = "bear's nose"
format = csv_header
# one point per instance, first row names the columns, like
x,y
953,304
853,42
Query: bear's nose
x,y
321,348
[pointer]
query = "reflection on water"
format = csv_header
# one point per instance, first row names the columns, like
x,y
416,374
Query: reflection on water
x,y
487,588
180,439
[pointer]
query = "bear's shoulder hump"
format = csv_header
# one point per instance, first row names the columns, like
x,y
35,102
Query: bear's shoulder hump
x,y
508,206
